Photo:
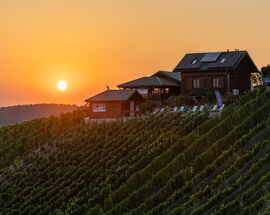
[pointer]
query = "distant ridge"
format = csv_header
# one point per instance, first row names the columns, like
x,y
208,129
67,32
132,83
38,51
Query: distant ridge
x,y
19,113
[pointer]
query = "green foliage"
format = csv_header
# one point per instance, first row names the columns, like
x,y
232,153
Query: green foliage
x,y
210,98
203,158
265,70
149,106
178,101
172,101
257,78
230,98
169,163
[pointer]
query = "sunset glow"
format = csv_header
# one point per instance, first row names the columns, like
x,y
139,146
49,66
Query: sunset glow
x,y
97,43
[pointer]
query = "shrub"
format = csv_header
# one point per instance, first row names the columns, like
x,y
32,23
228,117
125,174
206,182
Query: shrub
x,y
179,101
149,106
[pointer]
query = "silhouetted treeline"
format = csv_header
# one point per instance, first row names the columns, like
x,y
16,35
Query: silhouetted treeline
x,y
15,114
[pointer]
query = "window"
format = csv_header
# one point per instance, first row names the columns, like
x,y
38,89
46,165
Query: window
x,y
156,91
216,82
196,83
99,107
222,60
194,61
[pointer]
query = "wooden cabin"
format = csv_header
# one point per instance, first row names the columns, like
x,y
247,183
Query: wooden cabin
x,y
114,104
222,71
160,85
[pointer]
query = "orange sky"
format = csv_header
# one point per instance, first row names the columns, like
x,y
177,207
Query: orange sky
x,y
91,44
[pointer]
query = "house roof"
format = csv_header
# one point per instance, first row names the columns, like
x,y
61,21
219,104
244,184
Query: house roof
x,y
159,79
112,95
213,61
152,81
172,75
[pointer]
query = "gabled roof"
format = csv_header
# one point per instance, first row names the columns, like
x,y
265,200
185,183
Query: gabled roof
x,y
152,81
159,79
112,95
172,75
213,61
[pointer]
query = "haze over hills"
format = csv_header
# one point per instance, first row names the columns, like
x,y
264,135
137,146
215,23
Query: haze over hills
x,y
15,114
170,163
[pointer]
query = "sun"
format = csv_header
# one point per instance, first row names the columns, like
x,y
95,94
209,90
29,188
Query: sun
x,y
62,85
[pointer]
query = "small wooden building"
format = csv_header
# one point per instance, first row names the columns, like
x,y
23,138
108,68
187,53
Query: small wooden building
x,y
223,71
114,104
160,85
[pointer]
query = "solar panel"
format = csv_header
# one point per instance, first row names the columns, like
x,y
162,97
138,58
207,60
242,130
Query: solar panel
x,y
210,57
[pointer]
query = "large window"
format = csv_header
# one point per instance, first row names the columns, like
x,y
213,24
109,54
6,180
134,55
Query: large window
x,y
156,91
216,83
196,83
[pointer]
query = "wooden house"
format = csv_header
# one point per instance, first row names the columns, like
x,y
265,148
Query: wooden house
x,y
160,85
114,104
223,71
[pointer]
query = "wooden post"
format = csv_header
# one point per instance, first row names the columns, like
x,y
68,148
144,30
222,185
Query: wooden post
x,y
228,81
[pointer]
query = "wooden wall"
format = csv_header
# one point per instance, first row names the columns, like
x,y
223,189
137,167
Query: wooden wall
x,y
116,109
113,110
206,81
238,79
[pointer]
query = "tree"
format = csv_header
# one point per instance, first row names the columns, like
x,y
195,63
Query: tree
x,y
265,70
256,78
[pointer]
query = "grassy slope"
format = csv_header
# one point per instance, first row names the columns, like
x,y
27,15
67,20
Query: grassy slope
x,y
167,164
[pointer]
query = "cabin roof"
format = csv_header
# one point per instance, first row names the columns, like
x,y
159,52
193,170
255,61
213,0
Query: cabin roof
x,y
213,61
112,95
173,75
156,80
152,81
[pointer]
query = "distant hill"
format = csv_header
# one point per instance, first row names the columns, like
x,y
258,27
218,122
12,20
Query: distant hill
x,y
15,114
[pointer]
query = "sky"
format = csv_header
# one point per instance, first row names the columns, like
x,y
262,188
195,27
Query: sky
x,y
94,43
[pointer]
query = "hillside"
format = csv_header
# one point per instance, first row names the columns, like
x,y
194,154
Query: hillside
x,y
15,114
170,163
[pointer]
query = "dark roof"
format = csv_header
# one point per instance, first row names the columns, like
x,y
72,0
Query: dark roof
x,y
112,95
172,75
152,81
159,79
213,61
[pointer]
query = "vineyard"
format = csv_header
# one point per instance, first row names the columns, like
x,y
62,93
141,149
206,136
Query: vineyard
x,y
169,163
